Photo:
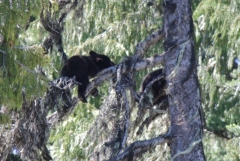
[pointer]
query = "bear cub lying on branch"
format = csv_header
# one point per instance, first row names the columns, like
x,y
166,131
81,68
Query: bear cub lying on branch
x,y
83,68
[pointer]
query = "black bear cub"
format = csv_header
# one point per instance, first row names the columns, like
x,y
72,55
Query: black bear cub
x,y
83,68
158,87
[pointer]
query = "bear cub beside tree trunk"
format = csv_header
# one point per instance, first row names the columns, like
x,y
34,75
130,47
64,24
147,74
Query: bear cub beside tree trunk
x,y
158,87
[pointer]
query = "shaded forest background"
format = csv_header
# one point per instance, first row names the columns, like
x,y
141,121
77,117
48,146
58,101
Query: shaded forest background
x,y
114,28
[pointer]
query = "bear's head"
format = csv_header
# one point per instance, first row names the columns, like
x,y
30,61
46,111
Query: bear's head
x,y
102,61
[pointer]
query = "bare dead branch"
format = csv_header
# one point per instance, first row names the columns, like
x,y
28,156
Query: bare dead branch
x,y
58,116
59,90
108,73
4,55
72,6
23,66
55,29
1,38
143,46
3,52
146,122
153,114
137,148
38,71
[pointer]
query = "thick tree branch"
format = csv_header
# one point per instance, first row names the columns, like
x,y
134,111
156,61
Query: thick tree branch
x,y
139,147
181,77
127,119
147,121
143,46
108,73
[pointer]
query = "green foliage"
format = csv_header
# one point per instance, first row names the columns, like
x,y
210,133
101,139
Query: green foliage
x,y
67,139
195,4
110,27
217,43
4,119
20,73
18,60
219,149
235,129
14,17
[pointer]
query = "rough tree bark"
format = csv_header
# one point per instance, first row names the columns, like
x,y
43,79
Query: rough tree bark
x,y
183,87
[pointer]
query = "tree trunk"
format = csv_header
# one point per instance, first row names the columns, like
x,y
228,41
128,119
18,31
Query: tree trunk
x,y
183,87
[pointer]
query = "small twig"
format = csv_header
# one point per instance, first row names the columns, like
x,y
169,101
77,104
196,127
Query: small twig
x,y
33,72
39,73
146,122
24,47
3,52
4,58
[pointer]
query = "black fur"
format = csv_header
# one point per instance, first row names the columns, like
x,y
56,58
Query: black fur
x,y
158,87
83,68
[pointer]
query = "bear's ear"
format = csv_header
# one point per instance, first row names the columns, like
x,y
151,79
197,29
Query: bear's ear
x,y
99,59
92,53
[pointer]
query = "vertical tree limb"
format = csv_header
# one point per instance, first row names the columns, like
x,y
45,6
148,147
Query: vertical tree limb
x,y
181,73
